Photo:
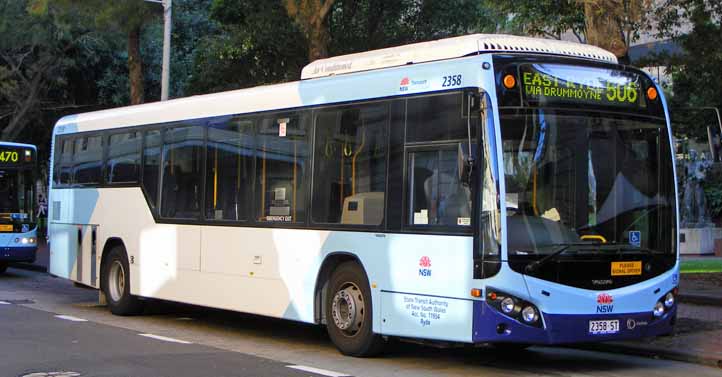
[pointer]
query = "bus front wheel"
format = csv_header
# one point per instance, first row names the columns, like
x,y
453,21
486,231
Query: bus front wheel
x,y
3,267
349,318
116,287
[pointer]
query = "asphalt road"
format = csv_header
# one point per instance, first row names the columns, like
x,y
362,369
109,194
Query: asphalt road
x,y
41,331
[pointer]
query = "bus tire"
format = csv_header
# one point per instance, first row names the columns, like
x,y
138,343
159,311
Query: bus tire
x,y
116,284
3,267
349,314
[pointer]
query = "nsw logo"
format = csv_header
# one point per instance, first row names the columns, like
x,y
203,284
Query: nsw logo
x,y
404,85
425,264
604,303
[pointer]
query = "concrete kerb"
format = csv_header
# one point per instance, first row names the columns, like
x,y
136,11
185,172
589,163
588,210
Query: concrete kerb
x,y
653,352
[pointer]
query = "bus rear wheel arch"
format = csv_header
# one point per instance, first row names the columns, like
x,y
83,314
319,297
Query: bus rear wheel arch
x,y
116,283
349,313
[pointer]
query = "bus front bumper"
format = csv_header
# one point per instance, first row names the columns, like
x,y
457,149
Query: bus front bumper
x,y
492,326
18,254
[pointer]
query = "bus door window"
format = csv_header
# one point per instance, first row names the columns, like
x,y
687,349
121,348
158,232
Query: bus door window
x,y
437,134
437,194
350,165
488,244
182,168
151,165
229,169
281,167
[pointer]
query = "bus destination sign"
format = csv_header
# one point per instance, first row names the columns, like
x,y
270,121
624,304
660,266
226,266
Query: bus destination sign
x,y
546,84
13,156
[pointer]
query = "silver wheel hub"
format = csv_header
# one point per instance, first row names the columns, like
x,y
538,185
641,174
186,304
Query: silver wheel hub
x,y
347,309
116,282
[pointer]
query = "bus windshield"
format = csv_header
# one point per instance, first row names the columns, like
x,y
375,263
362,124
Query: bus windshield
x,y
575,178
16,196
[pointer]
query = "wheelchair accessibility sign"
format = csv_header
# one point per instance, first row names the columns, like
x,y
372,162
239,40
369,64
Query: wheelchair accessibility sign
x,y
635,238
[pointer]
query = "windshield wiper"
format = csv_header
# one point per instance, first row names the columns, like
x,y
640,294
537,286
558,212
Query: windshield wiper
x,y
533,266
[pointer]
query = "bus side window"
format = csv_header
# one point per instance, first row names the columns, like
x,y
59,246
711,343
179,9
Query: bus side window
x,y
283,150
229,169
123,161
182,160
87,161
350,165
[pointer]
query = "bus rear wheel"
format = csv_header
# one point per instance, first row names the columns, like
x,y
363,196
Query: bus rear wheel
x,y
349,319
116,284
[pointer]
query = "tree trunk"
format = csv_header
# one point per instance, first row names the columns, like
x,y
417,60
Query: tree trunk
x,y
319,38
602,23
135,67
311,16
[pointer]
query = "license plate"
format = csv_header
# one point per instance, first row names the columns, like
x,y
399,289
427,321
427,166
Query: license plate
x,y
604,327
6,228
626,268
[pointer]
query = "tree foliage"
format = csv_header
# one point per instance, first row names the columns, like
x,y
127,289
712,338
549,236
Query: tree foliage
x,y
696,80
262,42
39,50
547,18
128,18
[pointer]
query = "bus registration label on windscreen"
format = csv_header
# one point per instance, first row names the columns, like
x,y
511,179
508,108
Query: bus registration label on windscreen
x,y
548,84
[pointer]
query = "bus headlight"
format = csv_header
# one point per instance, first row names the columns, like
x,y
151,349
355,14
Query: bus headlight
x,y
529,314
658,309
517,309
507,305
669,300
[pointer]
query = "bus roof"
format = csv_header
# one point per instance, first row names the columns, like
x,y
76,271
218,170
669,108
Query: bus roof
x,y
450,48
22,145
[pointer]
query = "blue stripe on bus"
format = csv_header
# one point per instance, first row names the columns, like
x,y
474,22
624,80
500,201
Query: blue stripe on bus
x,y
420,294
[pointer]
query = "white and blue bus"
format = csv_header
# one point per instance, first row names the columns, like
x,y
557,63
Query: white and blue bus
x,y
18,227
479,189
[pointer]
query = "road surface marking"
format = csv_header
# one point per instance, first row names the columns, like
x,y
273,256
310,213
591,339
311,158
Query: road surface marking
x,y
71,318
165,339
323,372
4,303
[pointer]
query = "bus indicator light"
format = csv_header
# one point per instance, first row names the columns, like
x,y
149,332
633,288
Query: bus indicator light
x,y
509,81
475,292
652,93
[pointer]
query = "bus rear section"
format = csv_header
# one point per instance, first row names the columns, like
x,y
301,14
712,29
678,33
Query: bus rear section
x,y
590,206
18,232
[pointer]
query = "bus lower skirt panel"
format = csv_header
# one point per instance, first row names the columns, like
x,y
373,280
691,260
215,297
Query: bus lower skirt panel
x,y
492,326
